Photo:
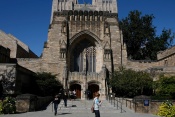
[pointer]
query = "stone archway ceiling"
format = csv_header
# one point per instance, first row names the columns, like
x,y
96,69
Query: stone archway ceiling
x,y
75,82
94,82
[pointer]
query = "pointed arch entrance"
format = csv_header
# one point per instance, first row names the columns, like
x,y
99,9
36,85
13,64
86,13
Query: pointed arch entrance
x,y
93,88
82,52
83,57
77,88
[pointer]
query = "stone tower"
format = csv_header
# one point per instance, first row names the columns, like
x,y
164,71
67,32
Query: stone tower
x,y
84,45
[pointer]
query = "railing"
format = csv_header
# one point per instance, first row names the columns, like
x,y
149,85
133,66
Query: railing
x,y
117,102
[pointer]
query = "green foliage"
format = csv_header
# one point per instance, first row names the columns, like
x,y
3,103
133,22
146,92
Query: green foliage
x,y
166,86
139,34
47,83
166,109
7,106
1,107
129,83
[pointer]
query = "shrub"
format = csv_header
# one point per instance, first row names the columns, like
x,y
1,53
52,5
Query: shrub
x,y
7,106
47,83
1,109
130,83
166,109
166,86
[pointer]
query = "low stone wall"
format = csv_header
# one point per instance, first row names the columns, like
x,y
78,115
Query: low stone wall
x,y
139,107
29,102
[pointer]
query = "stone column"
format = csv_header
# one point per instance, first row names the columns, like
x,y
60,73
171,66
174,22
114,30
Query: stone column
x,y
85,84
65,77
103,88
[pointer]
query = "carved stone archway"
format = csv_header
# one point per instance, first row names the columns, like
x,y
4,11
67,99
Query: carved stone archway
x,y
82,52
93,88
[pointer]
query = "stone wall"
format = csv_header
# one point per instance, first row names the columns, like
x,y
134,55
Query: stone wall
x,y
17,79
166,53
169,60
29,102
33,64
140,65
139,107
7,42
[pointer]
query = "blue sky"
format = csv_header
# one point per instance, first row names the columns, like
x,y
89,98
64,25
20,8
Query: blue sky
x,y
28,20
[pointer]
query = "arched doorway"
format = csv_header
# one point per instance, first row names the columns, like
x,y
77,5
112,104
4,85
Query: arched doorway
x,y
77,89
93,88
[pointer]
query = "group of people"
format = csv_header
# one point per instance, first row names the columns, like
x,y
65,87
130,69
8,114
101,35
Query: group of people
x,y
57,99
72,95
64,95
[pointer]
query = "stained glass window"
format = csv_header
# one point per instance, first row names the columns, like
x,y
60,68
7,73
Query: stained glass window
x,y
84,57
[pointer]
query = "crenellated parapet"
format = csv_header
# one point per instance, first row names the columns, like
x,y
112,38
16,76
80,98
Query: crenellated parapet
x,y
80,15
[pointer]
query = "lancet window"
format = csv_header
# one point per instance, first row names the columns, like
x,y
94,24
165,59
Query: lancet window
x,y
84,58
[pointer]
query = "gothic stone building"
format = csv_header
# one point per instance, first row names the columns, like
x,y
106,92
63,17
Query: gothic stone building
x,y
13,77
85,44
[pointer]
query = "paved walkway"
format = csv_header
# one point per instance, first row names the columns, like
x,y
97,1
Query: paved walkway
x,y
81,108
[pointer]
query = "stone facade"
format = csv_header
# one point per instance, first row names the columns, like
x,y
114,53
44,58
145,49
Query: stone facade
x,y
85,33
16,79
84,45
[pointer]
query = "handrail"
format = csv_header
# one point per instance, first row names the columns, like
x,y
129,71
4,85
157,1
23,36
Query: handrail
x,y
116,102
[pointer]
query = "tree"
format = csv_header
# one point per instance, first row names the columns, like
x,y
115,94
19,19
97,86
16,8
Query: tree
x,y
7,81
166,86
139,34
129,83
47,83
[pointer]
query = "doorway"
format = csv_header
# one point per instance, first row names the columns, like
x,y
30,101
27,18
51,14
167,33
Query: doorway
x,y
77,89
93,88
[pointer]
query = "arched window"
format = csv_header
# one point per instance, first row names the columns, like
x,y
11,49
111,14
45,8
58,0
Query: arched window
x,y
90,59
84,57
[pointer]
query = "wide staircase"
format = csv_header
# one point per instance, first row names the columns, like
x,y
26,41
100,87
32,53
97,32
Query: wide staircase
x,y
81,108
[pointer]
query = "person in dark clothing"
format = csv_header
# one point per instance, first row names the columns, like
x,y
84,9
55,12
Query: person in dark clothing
x,y
71,95
88,94
65,97
56,101
61,93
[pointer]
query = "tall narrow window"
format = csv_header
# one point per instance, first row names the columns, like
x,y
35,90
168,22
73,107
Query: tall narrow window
x,y
84,57
91,56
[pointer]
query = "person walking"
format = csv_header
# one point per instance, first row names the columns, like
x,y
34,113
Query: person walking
x,y
74,94
55,102
65,97
61,93
97,103
70,95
